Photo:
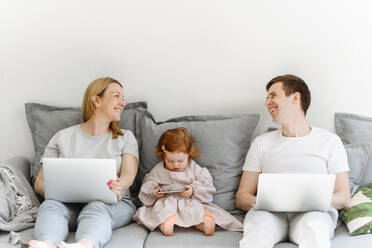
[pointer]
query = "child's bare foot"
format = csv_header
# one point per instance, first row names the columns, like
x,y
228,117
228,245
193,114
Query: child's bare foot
x,y
41,244
209,223
168,225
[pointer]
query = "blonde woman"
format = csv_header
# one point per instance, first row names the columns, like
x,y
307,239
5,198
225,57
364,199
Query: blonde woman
x,y
99,136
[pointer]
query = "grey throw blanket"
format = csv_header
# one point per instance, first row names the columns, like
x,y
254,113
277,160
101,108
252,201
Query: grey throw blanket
x,y
18,203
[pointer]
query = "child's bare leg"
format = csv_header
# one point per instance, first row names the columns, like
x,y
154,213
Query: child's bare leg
x,y
208,225
167,226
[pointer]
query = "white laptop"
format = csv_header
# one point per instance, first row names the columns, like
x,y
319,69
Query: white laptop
x,y
79,180
294,192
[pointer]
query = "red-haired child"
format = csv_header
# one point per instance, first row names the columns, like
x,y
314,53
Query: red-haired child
x,y
178,170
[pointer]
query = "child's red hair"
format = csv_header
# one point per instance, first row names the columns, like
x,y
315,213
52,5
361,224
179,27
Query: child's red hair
x,y
177,140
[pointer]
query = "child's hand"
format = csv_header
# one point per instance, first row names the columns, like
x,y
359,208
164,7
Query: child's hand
x,y
156,190
188,193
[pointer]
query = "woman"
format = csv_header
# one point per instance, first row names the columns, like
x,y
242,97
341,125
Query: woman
x,y
99,136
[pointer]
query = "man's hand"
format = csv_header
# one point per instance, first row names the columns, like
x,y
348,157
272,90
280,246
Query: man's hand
x,y
188,193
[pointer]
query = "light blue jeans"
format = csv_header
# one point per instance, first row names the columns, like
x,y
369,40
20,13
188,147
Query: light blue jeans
x,y
94,221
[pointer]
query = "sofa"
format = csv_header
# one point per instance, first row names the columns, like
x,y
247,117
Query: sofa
x,y
223,141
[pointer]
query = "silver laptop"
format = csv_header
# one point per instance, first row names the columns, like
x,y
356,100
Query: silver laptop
x,y
79,180
294,192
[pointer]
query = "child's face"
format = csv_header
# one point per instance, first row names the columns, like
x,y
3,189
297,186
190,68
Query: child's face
x,y
175,161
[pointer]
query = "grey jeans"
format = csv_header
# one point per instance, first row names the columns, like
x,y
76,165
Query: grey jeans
x,y
94,221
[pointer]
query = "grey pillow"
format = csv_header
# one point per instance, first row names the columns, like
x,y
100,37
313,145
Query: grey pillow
x,y
358,158
45,121
356,129
223,142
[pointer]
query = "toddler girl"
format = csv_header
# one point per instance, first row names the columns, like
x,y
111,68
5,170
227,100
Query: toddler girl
x,y
193,206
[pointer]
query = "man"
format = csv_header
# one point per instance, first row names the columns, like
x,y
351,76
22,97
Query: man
x,y
296,148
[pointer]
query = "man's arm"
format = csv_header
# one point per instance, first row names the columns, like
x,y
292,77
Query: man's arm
x,y
245,197
341,192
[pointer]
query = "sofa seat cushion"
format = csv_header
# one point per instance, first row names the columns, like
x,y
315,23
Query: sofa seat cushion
x,y
133,236
4,240
342,239
191,238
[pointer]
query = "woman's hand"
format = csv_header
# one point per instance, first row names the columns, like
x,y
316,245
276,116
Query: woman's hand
x,y
188,193
156,190
116,186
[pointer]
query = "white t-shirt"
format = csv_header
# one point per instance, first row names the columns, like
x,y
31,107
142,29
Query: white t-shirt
x,y
72,142
319,152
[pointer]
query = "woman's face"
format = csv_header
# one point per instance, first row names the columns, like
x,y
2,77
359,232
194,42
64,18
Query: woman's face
x,y
112,102
175,161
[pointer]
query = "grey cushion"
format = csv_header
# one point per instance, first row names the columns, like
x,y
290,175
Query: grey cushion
x,y
358,160
192,238
4,240
133,235
356,129
189,237
136,236
223,142
45,121
342,239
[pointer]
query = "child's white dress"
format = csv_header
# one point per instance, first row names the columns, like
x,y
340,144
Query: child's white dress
x,y
190,210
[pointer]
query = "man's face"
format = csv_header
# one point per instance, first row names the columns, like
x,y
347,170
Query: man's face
x,y
278,104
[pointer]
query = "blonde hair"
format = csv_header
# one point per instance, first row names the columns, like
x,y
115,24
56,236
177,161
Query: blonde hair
x,y
98,88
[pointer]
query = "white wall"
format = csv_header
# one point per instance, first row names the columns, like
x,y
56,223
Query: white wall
x,y
183,57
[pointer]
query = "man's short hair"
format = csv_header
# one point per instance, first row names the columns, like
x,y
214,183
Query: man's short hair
x,y
292,84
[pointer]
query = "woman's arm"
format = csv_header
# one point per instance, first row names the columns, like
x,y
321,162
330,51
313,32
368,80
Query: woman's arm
x,y
128,172
50,151
341,192
39,182
245,197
